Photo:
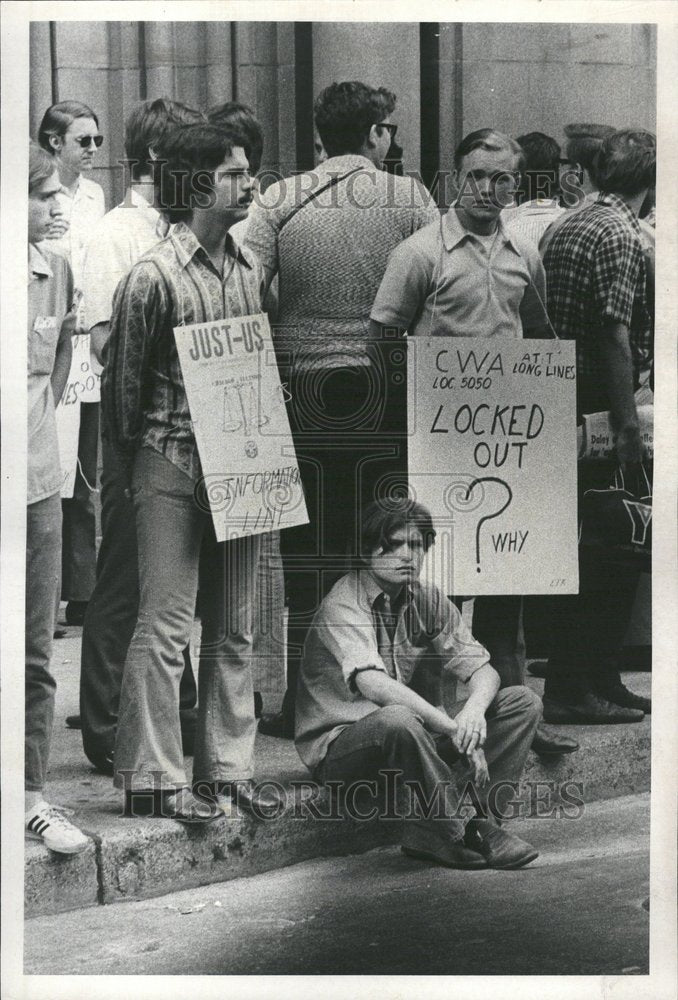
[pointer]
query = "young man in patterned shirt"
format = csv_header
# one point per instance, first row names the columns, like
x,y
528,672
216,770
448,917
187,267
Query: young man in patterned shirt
x,y
597,296
196,275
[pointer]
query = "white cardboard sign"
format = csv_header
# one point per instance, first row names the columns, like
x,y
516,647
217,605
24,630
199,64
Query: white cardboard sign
x,y
251,482
493,455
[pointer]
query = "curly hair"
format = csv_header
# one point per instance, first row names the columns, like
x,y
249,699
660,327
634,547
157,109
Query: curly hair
x,y
345,113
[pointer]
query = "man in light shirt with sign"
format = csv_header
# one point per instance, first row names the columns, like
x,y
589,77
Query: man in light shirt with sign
x,y
196,276
466,276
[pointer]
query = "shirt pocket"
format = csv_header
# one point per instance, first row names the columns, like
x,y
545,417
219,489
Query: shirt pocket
x,y
42,343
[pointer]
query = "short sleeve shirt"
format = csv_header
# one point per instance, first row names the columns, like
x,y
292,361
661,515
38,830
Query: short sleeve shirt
x,y
50,293
116,242
350,634
596,275
447,280
83,210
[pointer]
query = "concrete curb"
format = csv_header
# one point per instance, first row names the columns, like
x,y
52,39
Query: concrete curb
x,y
140,858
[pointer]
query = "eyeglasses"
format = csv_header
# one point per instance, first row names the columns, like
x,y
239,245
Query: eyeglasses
x,y
392,129
87,140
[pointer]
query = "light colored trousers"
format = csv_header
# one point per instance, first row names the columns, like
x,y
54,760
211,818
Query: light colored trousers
x,y
177,547
43,572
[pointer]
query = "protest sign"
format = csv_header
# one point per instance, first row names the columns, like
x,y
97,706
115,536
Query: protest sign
x,y
88,381
251,482
493,453
68,431
596,436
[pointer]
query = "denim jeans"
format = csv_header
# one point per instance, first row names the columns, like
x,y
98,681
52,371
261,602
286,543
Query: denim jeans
x,y
112,614
43,573
171,529
394,737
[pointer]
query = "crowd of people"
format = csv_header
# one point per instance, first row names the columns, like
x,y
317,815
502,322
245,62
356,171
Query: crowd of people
x,y
346,259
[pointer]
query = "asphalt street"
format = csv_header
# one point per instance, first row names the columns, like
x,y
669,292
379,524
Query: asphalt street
x,y
580,909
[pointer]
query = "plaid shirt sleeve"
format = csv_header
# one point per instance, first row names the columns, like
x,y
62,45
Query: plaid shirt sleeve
x,y
141,309
617,270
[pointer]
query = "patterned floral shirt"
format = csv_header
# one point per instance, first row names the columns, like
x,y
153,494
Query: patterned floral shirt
x,y
174,284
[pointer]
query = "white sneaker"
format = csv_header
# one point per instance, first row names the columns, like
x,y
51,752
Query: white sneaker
x,y
48,824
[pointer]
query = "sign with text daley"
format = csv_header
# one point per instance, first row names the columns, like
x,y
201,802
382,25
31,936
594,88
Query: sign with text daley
x,y
251,481
493,455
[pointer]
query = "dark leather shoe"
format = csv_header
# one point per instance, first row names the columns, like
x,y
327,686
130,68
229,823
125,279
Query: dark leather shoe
x,y
619,694
103,763
179,804
73,722
263,801
428,846
548,741
277,725
499,848
588,710
60,633
75,612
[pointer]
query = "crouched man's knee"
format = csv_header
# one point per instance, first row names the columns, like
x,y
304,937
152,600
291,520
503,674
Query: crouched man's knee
x,y
518,700
395,721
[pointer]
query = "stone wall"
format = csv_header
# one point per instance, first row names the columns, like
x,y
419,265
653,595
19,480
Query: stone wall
x,y
516,77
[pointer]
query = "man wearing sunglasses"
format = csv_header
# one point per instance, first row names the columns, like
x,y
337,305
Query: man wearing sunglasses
x,y
69,132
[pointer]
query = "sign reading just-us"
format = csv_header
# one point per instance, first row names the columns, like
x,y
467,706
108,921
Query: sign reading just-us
x,y
250,481
493,455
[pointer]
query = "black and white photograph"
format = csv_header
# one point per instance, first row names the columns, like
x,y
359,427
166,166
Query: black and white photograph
x,y
330,467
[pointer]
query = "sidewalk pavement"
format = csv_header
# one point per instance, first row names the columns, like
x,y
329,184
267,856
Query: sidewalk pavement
x,y
140,858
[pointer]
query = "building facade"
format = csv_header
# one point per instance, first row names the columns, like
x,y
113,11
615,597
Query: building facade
x,y
450,78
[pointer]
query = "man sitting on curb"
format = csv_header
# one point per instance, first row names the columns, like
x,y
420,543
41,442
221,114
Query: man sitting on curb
x,y
377,639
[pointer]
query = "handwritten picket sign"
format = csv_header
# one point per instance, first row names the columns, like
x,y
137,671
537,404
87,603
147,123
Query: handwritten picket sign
x,y
68,432
493,455
88,380
251,482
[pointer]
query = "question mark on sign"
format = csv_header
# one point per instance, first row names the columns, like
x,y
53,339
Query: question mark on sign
x,y
488,517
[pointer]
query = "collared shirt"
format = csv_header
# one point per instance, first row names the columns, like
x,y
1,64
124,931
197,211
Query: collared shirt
x,y
413,642
331,254
174,284
116,242
596,275
50,293
447,280
531,219
82,209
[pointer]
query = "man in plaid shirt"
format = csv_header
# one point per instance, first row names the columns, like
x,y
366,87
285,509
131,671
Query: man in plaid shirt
x,y
597,296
